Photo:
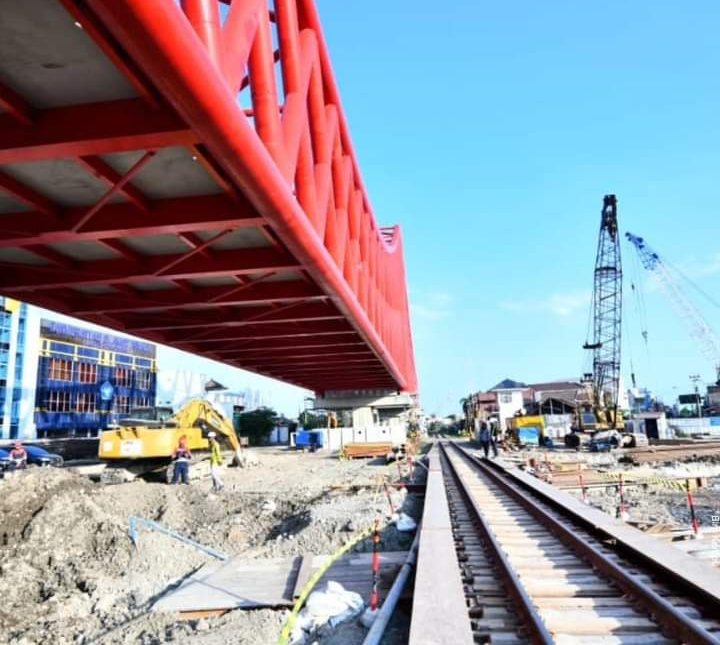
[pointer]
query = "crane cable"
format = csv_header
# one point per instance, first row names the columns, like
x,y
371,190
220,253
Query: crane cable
x,y
640,307
587,356
693,284
639,297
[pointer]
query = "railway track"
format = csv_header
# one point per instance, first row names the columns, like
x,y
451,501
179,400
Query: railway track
x,y
531,574
663,453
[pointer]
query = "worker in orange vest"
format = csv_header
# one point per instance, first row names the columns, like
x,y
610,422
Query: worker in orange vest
x,y
18,456
182,457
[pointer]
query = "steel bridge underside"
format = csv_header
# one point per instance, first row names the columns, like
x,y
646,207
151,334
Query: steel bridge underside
x,y
183,172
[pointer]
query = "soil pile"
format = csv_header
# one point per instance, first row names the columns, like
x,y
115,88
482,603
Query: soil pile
x,y
70,573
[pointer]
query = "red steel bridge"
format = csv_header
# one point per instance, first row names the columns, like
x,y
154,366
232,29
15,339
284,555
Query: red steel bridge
x,y
183,172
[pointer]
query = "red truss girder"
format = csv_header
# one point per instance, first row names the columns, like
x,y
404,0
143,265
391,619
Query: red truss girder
x,y
260,330
91,129
163,267
228,317
334,349
187,214
281,345
301,141
198,298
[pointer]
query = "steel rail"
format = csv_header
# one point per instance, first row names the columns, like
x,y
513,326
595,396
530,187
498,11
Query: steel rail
x,y
533,621
664,613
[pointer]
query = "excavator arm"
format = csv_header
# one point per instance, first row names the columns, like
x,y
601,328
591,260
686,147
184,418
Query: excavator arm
x,y
199,413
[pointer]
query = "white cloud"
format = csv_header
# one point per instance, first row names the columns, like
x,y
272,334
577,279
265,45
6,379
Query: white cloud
x,y
434,306
428,313
701,268
440,299
562,304
566,304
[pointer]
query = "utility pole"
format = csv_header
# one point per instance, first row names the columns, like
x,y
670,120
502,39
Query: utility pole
x,y
696,378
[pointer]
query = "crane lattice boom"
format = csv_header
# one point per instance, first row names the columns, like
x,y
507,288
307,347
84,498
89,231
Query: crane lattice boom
x,y
700,330
607,308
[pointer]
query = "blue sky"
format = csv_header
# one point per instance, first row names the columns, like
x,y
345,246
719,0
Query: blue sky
x,y
490,132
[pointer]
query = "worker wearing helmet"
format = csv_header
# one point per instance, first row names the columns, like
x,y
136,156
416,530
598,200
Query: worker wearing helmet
x,y
182,457
18,456
216,461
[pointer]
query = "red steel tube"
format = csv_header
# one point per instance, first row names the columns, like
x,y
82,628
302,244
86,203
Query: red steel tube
x,y
204,16
375,565
261,67
157,33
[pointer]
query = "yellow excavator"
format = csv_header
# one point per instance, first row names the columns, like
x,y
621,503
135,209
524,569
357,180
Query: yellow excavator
x,y
144,443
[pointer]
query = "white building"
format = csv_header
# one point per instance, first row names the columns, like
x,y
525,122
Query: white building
x,y
19,348
175,387
509,400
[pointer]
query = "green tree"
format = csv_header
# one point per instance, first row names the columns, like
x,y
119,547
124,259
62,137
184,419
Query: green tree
x,y
311,420
256,425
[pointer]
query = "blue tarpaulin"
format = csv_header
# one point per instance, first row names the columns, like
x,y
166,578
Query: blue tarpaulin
x,y
529,435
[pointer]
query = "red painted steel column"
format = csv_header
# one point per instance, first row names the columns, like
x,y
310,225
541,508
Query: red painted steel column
x,y
204,16
264,91
292,80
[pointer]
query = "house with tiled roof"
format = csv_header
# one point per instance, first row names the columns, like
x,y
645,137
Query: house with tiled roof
x,y
511,397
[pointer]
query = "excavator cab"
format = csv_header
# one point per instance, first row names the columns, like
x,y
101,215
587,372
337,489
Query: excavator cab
x,y
149,416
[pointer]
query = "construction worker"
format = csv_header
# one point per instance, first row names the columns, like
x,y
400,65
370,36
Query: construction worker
x,y
18,456
182,457
494,439
484,438
216,461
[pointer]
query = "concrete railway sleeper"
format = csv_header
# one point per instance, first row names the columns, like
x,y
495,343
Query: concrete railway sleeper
x,y
532,576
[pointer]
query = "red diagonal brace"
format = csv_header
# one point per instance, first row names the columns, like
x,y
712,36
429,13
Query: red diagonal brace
x,y
136,168
108,174
16,105
26,195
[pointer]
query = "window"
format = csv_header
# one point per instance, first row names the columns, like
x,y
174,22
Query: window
x,y
143,380
85,402
58,401
60,370
122,377
87,373
506,398
122,405
142,402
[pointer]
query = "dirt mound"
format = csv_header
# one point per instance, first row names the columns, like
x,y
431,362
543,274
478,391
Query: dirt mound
x,y
70,573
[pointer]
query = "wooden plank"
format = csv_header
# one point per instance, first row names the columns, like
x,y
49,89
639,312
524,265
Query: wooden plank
x,y
359,450
196,615
304,574
276,582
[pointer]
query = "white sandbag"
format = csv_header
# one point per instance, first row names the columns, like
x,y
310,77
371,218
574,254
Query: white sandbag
x,y
368,617
329,606
405,523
